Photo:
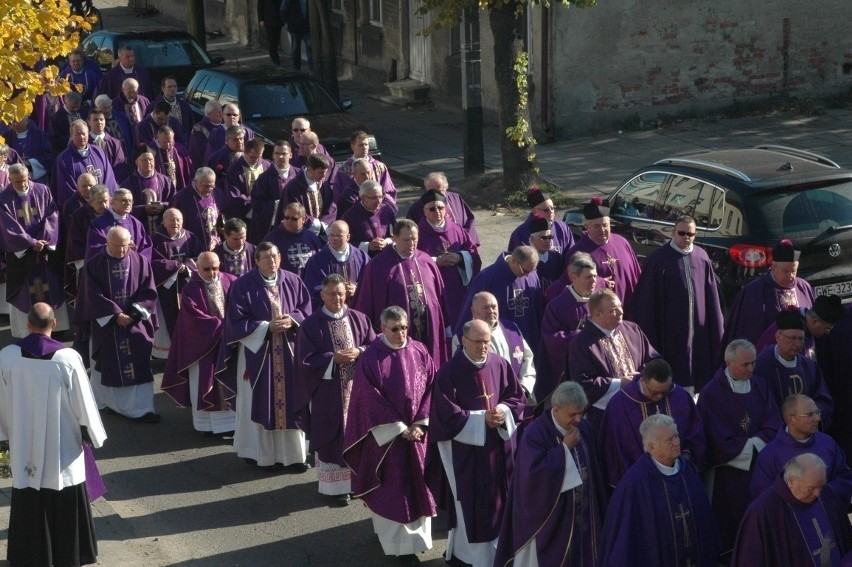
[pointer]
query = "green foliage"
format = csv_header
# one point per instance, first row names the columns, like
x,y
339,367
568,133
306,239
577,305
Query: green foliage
x,y
521,133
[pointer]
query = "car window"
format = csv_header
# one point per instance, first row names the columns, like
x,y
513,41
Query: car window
x,y
208,89
104,54
91,45
230,93
685,195
638,197
805,212
179,52
277,100
731,223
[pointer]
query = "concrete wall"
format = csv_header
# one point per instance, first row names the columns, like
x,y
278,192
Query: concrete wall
x,y
628,56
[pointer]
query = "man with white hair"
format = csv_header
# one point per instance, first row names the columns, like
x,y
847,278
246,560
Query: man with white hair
x,y
370,219
79,157
132,103
659,514
119,214
118,299
231,116
457,210
200,134
30,222
198,205
301,125
117,124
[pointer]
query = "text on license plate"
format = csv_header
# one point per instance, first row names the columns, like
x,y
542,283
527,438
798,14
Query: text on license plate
x,y
838,288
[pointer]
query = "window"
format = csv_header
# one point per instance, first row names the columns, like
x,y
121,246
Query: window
x,y
230,93
208,89
804,213
375,12
638,197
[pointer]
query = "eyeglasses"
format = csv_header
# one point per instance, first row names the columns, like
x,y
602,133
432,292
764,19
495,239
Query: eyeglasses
x,y
815,413
433,209
684,233
398,328
293,218
300,129
231,114
545,237
796,338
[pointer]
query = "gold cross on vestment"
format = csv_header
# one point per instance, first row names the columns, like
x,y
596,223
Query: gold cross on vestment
x,y
826,545
25,213
746,421
38,289
129,372
485,395
682,516
124,346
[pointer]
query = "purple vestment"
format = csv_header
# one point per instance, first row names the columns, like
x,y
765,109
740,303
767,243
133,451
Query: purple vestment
x,y
118,126
295,248
270,371
78,233
483,473
835,359
216,140
182,112
200,214
70,165
565,524
456,211
778,529
134,111
550,267
265,199
59,127
381,174
198,139
328,386
236,263
110,286
324,263
413,283
562,241
563,319
730,420
114,151
85,82
615,260
174,164
365,225
35,146
677,305
98,229
768,338
770,462
111,81
390,386
805,378
659,520
757,304
146,129
520,299
236,192
594,360
296,191
452,238
25,219
619,435
169,255
552,291
157,188
196,340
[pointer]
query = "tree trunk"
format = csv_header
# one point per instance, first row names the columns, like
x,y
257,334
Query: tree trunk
x,y
195,22
519,173
322,44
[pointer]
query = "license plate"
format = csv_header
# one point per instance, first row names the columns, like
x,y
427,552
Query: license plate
x,y
842,289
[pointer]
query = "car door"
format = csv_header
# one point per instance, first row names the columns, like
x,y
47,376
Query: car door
x,y
635,211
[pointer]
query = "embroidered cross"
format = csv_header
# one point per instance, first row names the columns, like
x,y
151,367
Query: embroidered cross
x,y
98,173
299,254
31,469
826,545
485,395
124,346
25,213
38,288
129,372
746,421
610,261
682,515
120,296
120,271
518,354
518,303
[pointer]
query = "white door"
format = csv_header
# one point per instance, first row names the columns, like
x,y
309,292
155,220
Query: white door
x,y
421,47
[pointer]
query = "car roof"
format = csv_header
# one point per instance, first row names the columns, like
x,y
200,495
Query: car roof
x,y
255,74
130,33
759,168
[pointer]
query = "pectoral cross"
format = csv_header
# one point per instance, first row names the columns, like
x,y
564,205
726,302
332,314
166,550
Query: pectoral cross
x,y
485,395
746,421
826,545
518,303
25,213
796,385
170,167
176,254
129,372
38,288
682,516
124,346
610,261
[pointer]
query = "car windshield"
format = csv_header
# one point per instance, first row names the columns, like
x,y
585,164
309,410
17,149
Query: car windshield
x,y
179,52
286,98
803,213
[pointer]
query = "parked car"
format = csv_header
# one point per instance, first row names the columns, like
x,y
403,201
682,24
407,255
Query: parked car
x,y
163,52
744,202
270,98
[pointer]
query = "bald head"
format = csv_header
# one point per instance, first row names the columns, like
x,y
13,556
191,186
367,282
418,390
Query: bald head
x,y
475,339
41,319
485,308
208,266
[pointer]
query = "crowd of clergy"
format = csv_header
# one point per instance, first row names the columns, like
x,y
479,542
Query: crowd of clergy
x,y
563,405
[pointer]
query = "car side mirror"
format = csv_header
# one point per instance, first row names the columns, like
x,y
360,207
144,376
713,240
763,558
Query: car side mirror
x,y
346,104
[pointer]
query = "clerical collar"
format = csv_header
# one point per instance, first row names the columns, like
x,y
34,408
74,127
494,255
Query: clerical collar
x,y
312,185
117,216
176,236
401,255
340,256
802,441
738,386
609,333
231,252
172,101
269,282
127,70
339,315
24,192
682,251
84,152
394,347
153,173
668,471
283,172
579,298
543,256
477,363
438,228
96,137
785,363
21,135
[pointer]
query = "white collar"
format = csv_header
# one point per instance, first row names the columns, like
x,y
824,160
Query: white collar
x,y
668,471
682,251
579,298
477,363
339,315
340,256
738,386
785,363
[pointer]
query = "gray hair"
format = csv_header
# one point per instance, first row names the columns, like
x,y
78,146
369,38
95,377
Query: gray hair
x,y
41,316
439,175
649,426
204,172
581,261
74,97
363,162
800,464
17,169
234,132
103,100
122,193
369,186
523,254
210,106
98,190
569,394
735,346
393,313
117,230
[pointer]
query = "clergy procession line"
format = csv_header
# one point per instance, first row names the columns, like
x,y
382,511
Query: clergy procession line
x,y
546,402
